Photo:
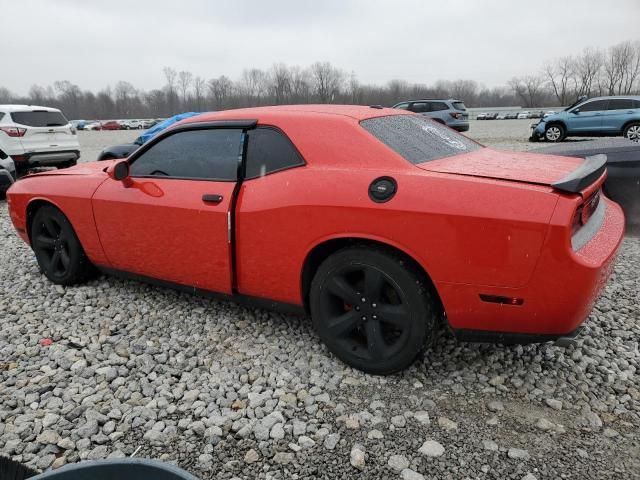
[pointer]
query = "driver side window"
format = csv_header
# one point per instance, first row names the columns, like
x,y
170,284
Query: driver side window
x,y
594,106
196,154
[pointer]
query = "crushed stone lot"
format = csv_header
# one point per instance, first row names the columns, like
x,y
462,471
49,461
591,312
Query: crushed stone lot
x,y
227,391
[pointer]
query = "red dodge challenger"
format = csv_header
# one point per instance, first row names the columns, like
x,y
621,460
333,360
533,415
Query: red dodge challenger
x,y
378,222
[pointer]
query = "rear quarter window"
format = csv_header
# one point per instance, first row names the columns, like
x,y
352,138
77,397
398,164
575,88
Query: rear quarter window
x,y
39,118
418,139
459,106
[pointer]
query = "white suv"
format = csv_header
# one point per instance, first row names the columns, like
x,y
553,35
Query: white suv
x,y
37,137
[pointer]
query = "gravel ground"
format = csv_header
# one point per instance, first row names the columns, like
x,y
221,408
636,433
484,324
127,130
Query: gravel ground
x,y
232,392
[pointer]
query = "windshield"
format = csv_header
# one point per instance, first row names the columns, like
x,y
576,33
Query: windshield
x,y
418,139
39,118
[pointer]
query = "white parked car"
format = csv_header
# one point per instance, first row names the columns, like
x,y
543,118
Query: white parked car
x,y
524,115
37,137
131,124
93,126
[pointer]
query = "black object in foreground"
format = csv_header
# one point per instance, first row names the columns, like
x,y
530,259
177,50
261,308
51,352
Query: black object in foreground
x,y
623,168
120,469
12,470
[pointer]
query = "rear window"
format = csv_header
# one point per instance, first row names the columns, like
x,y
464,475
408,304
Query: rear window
x,y
39,119
459,106
439,106
417,138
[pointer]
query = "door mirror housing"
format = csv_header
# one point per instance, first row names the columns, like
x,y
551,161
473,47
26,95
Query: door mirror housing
x,y
119,171
577,110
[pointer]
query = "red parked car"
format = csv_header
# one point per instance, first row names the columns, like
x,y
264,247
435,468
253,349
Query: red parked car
x,y
111,125
378,222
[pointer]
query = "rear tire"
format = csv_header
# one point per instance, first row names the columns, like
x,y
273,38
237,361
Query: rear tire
x,y
554,133
57,248
372,309
632,132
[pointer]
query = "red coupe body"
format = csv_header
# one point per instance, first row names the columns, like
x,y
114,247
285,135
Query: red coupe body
x,y
506,250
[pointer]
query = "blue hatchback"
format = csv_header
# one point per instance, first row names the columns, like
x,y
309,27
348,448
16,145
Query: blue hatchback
x,y
595,117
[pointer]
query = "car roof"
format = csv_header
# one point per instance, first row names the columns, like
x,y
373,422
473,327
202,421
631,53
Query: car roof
x,y
25,108
430,100
266,114
609,97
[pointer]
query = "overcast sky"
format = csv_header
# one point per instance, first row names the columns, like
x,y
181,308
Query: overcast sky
x,y
97,43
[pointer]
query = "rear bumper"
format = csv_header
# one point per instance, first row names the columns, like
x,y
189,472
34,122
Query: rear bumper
x,y
459,125
555,302
47,159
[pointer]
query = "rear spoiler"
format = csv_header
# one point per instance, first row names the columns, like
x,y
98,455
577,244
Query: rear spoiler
x,y
588,172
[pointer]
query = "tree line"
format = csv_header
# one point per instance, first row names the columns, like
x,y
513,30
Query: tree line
x,y
610,71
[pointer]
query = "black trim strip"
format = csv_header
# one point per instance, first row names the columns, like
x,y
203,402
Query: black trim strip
x,y
588,172
509,338
245,300
239,124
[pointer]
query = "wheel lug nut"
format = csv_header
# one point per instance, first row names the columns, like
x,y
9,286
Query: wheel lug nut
x,y
364,318
374,305
357,309
364,300
375,317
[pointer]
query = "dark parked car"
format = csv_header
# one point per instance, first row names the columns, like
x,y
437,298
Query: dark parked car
x,y
7,173
623,167
511,116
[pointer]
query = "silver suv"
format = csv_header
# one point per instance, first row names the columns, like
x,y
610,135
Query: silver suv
x,y
451,113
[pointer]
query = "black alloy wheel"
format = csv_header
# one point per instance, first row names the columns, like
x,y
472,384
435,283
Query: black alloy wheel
x,y
57,248
372,309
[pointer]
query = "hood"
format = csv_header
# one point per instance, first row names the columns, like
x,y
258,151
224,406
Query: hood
x,y
513,166
85,168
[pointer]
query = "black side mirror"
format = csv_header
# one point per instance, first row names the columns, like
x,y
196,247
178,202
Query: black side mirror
x,y
119,171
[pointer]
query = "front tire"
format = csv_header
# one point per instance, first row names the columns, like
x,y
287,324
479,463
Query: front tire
x,y
58,251
632,132
554,133
372,309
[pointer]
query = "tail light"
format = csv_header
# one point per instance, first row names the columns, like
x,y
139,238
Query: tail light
x,y
19,158
14,131
455,115
585,211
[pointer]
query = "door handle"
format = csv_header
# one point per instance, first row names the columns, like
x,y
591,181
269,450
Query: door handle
x,y
212,198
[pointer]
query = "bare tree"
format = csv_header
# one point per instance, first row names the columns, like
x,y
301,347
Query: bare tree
x,y
558,76
587,70
327,81
37,94
253,86
280,82
198,92
184,82
354,89
5,95
220,89
528,89
465,90
300,85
